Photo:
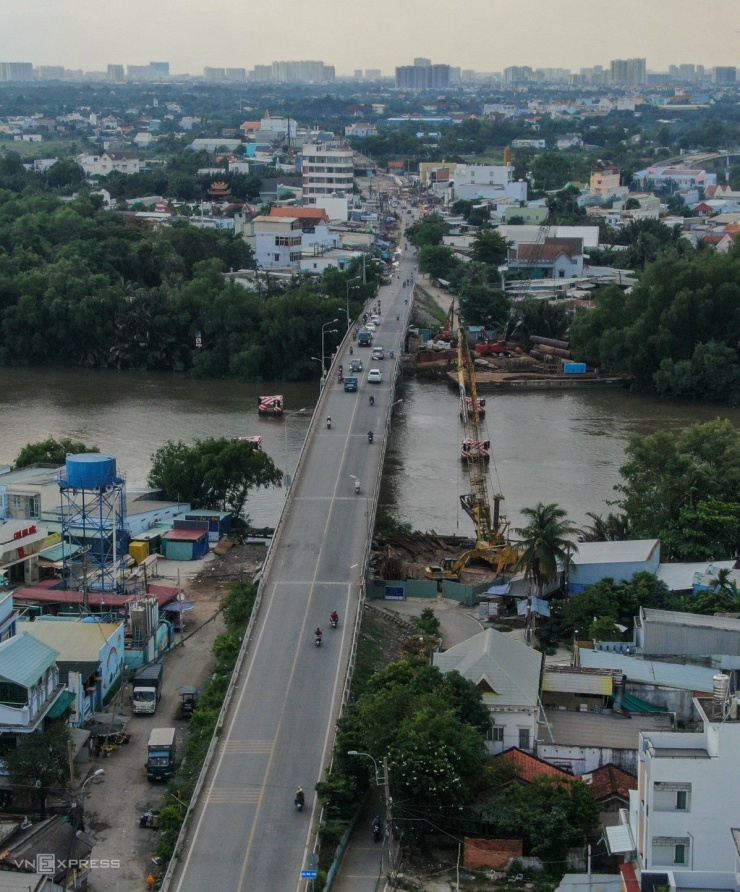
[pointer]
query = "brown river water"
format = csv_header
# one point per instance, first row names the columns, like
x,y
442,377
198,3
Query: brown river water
x,y
563,447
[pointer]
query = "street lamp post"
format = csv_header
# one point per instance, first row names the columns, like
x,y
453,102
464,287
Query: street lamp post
x,y
378,778
316,359
353,279
286,475
323,352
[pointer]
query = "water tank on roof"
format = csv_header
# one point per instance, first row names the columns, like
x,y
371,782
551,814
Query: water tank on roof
x,y
90,470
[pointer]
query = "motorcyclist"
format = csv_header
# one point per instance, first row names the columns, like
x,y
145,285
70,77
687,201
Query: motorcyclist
x,y
328,420
334,617
372,399
351,351
318,633
357,486
300,797
370,436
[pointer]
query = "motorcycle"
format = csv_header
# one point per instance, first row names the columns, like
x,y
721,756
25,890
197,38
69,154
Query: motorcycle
x,y
150,819
299,800
351,351
333,622
377,832
318,640
357,487
398,316
372,399
369,436
328,422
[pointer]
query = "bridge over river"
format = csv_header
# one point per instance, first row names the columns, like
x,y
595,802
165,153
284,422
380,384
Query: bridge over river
x,y
278,731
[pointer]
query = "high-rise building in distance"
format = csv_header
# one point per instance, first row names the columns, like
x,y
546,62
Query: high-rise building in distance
x,y
422,77
116,73
16,71
628,71
724,74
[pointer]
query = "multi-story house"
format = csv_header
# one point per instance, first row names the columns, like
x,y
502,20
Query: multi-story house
x,y
682,828
277,242
102,165
327,172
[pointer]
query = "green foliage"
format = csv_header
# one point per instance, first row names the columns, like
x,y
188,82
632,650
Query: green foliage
x,y
563,208
237,605
214,473
666,473
429,726
438,261
50,452
677,331
538,317
604,629
387,525
429,231
480,305
545,543
550,814
428,622
39,762
490,247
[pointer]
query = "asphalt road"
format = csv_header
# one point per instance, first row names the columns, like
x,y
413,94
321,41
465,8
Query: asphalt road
x,y
246,834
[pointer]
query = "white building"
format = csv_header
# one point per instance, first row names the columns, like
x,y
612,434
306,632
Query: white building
x,y
507,672
361,130
277,242
327,173
108,162
480,181
684,815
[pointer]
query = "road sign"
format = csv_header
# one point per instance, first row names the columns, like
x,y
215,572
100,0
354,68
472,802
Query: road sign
x,y
309,874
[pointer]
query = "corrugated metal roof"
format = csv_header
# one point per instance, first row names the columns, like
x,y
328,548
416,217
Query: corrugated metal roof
x,y
576,682
696,620
628,552
23,660
667,675
592,729
73,641
510,667
680,577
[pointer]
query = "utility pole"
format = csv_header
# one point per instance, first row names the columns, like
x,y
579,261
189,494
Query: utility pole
x,y
388,816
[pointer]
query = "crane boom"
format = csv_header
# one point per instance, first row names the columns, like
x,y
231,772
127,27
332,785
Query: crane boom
x,y
489,529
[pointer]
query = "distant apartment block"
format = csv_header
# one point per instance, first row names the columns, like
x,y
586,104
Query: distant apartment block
x,y
51,73
116,73
628,71
302,72
517,74
159,70
421,62
214,74
373,74
236,74
422,77
724,74
18,72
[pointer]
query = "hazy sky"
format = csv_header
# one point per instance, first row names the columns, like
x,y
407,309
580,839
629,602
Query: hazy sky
x,y
486,35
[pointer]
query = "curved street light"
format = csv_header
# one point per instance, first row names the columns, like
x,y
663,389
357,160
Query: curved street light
x,y
323,333
378,778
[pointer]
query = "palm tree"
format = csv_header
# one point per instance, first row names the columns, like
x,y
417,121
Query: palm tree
x,y
612,528
546,542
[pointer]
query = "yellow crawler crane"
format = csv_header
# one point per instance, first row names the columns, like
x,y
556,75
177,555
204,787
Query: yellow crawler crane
x,y
491,530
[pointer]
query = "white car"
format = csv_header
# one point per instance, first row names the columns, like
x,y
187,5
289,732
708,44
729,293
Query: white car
x,y
378,353
374,376
369,326
375,320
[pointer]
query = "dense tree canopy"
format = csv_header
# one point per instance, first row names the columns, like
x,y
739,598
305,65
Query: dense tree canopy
x,y
213,473
50,452
677,331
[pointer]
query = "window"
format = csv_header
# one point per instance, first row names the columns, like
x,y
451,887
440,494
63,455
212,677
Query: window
x,y
679,854
524,738
682,802
495,734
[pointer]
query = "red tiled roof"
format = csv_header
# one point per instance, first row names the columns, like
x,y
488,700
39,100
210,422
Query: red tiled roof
x,y
713,239
609,780
539,252
530,767
300,213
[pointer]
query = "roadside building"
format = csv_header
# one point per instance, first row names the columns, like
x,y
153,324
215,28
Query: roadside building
x,y
277,241
20,544
59,850
555,259
682,829
328,173
594,561
507,672
610,786
182,544
661,633
32,690
90,659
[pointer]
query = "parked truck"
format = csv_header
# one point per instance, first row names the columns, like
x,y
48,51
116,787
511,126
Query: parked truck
x,y
147,689
160,761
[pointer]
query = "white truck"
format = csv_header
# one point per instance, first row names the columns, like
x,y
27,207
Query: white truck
x,y
147,689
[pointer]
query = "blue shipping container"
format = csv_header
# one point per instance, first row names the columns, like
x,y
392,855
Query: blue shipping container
x,y
574,368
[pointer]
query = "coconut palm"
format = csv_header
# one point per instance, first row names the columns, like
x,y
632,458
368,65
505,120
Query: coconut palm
x,y
545,543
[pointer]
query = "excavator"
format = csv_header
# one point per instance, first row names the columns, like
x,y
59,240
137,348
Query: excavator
x,y
491,540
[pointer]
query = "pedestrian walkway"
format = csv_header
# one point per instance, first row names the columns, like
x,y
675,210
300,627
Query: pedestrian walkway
x,y
363,867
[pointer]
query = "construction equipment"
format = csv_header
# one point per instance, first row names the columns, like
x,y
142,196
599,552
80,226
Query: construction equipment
x,y
446,332
491,540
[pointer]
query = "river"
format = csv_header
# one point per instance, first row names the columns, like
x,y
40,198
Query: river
x,y
563,447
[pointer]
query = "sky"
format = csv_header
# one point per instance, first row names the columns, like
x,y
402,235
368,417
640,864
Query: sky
x,y
485,35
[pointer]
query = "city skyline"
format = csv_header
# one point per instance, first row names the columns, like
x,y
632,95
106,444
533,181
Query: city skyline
x,y
82,34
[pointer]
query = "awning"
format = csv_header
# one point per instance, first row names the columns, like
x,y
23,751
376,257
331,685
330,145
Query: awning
x,y
62,705
619,839
179,606
635,704
499,590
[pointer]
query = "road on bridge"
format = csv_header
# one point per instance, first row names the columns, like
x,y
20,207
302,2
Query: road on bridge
x,y
245,833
